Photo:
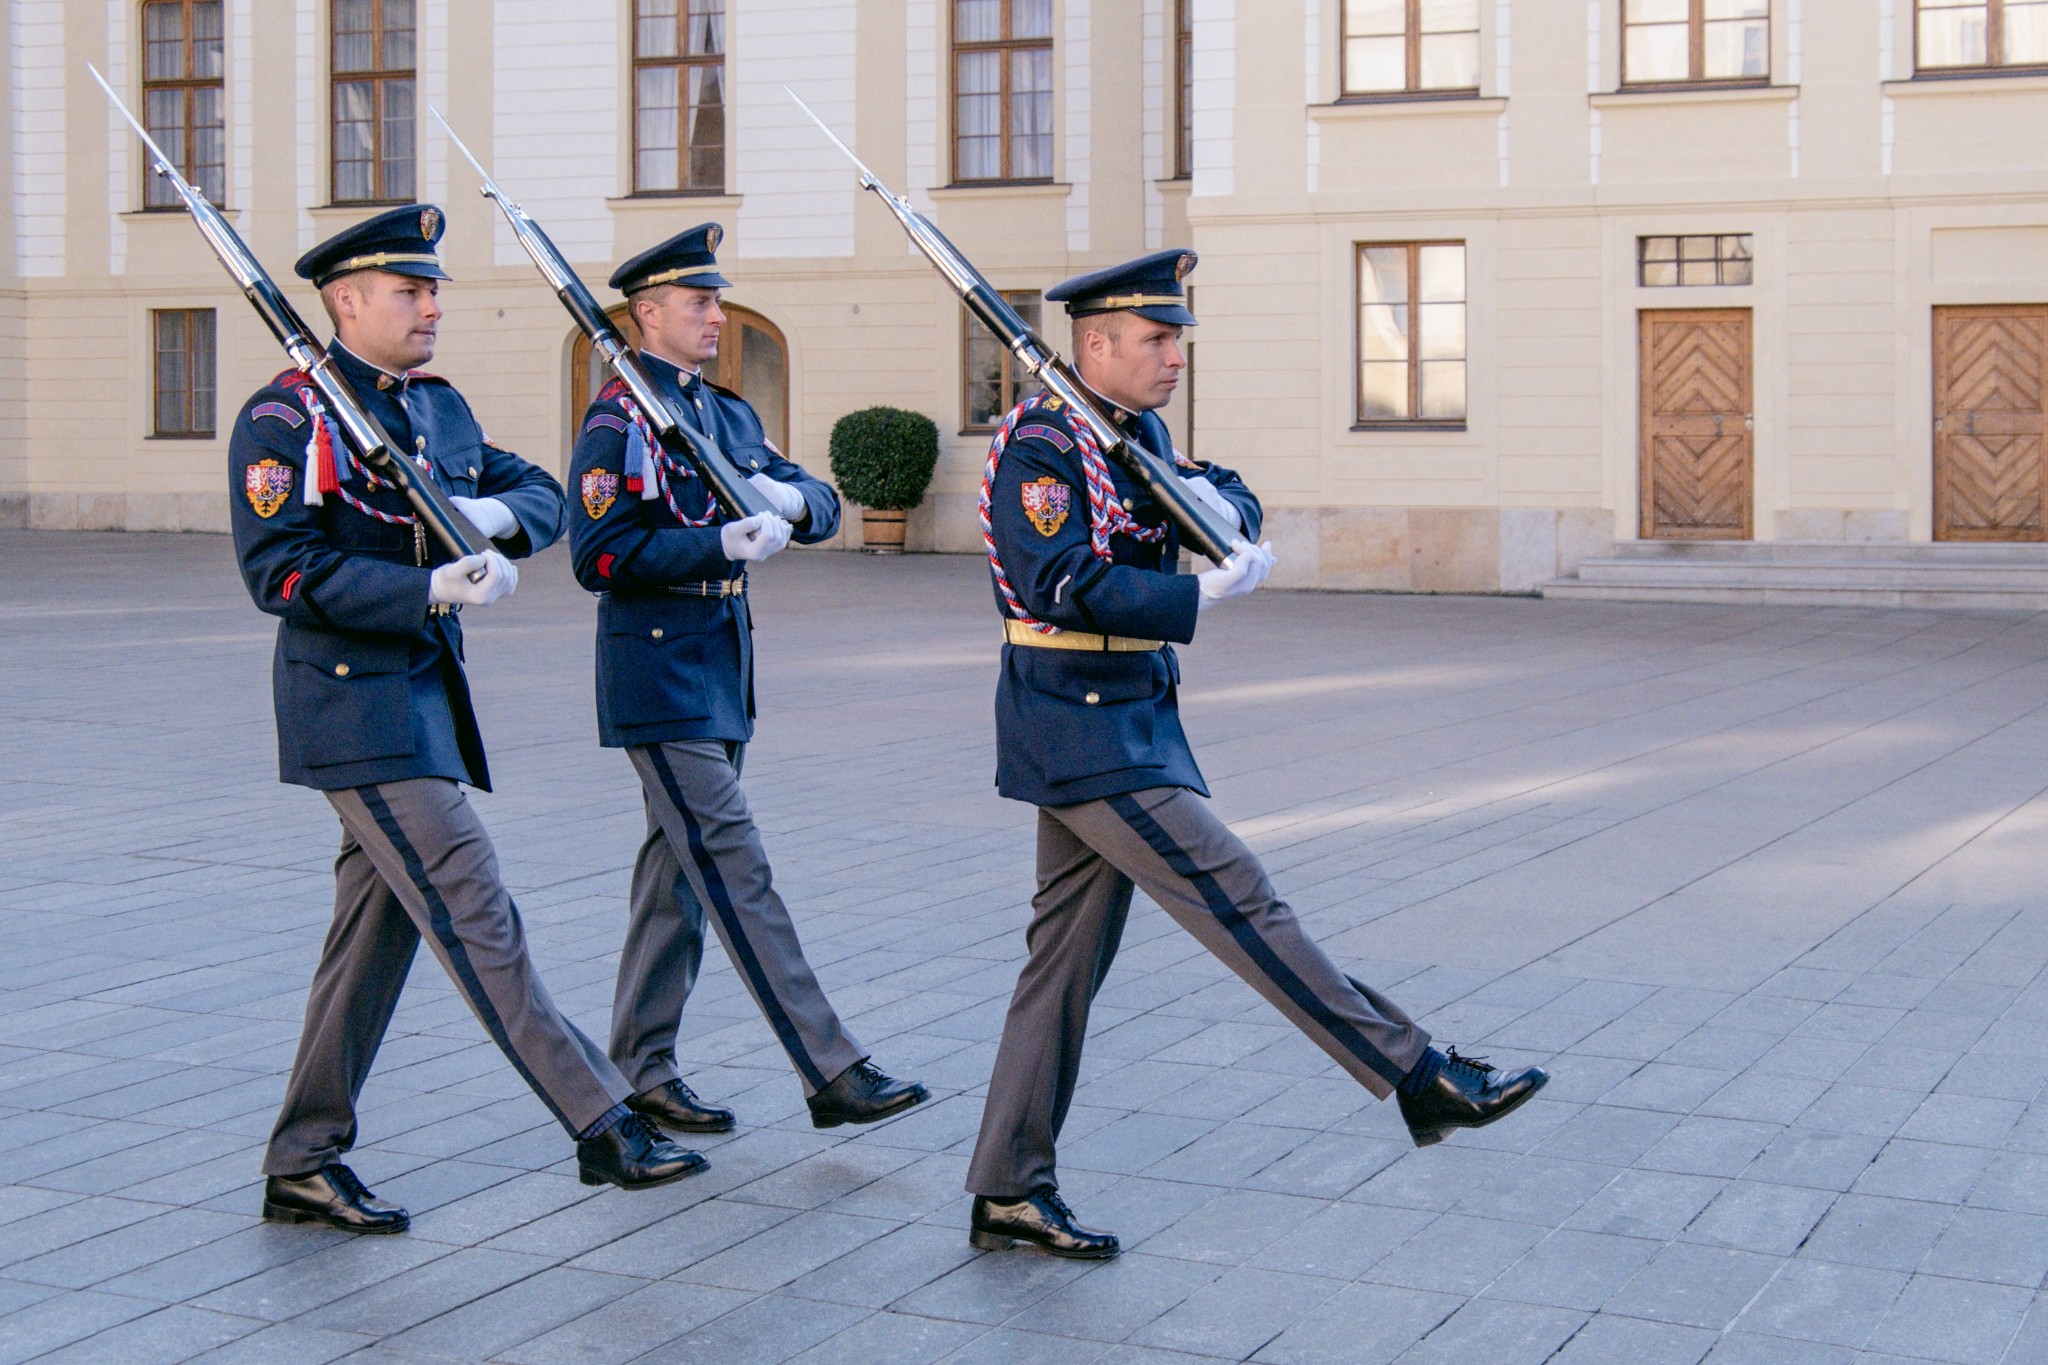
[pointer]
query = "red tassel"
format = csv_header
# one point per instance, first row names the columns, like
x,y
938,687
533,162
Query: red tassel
x,y
330,477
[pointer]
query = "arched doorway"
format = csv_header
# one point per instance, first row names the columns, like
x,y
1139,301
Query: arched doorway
x,y
753,361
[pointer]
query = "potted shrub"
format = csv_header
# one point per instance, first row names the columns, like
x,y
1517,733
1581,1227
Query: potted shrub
x,y
882,458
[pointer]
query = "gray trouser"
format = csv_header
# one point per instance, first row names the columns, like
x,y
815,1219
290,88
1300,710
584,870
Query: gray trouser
x,y
416,860
702,850
1166,840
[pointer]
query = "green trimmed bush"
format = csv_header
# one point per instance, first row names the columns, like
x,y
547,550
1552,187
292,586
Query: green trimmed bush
x,y
882,458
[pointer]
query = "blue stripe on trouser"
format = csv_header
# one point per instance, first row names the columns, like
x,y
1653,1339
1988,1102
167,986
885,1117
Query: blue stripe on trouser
x,y
443,925
736,935
1249,939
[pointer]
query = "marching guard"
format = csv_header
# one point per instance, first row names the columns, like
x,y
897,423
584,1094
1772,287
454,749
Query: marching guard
x,y
675,690
1088,730
374,712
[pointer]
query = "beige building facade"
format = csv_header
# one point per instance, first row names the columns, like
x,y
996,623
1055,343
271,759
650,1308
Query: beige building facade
x,y
1483,293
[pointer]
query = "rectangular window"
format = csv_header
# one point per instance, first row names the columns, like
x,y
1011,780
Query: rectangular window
x,y
1673,42
992,380
1184,90
183,340
1411,333
181,97
679,96
1962,35
1678,262
374,82
1411,47
1002,89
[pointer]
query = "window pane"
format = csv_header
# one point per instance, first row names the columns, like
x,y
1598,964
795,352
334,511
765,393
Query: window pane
x,y
201,368
398,140
1031,18
1031,113
1660,274
1384,278
1697,273
977,21
1656,12
706,37
2026,34
209,144
654,28
398,55
1659,248
1736,50
163,42
1657,52
1738,9
1442,271
655,127
1443,390
1953,37
978,114
1383,332
1450,62
707,126
206,39
353,35
170,371
1440,331
1375,18
1450,16
1374,64
1382,392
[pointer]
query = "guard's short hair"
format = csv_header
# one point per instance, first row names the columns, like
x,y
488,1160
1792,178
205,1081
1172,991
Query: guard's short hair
x,y
1112,325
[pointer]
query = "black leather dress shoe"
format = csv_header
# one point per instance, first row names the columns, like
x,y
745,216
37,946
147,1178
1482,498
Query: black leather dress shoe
x,y
675,1108
633,1156
1041,1219
1468,1093
862,1094
330,1195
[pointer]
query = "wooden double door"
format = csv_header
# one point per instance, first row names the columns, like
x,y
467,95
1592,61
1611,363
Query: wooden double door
x,y
1990,455
1697,463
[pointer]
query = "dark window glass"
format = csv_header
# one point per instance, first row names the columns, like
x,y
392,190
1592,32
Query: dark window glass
x,y
1002,89
992,382
184,371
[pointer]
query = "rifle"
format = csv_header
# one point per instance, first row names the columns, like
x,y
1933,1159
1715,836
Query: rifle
x,y
1204,531
736,497
364,436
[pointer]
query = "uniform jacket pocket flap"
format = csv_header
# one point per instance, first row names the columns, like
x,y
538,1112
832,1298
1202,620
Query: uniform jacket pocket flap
x,y
345,656
1094,679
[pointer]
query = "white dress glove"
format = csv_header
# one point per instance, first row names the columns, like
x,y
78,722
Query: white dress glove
x,y
782,497
450,584
754,538
1236,576
1206,491
488,515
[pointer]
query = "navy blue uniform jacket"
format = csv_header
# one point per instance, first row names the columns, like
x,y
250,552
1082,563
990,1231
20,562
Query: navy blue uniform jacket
x,y
368,687
1074,725
672,666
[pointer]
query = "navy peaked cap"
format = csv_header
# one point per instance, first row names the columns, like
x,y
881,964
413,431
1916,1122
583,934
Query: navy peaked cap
x,y
1149,286
688,259
399,240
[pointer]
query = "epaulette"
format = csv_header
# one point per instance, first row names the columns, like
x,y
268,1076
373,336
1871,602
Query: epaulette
x,y
291,379
611,392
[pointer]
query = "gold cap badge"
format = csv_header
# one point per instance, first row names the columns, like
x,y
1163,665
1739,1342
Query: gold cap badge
x,y
430,222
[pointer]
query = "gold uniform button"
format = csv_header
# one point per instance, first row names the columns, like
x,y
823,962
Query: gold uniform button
x,y
1092,698
472,471
1127,504
755,463
657,632
341,670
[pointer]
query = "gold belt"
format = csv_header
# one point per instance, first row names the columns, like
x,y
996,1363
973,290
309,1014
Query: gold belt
x,y
1017,633
724,587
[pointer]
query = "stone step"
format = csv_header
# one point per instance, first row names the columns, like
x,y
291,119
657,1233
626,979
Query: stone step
x,y
1981,577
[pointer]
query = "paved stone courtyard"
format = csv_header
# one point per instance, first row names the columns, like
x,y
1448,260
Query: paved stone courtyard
x,y
1761,886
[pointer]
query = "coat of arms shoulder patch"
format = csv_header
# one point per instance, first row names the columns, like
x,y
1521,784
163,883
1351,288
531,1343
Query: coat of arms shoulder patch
x,y
600,490
267,484
1047,502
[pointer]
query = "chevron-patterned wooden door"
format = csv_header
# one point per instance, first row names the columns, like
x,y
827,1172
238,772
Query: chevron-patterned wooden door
x,y
1698,449
1989,424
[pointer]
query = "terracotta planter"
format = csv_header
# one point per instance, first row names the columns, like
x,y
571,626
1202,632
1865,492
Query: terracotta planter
x,y
881,533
